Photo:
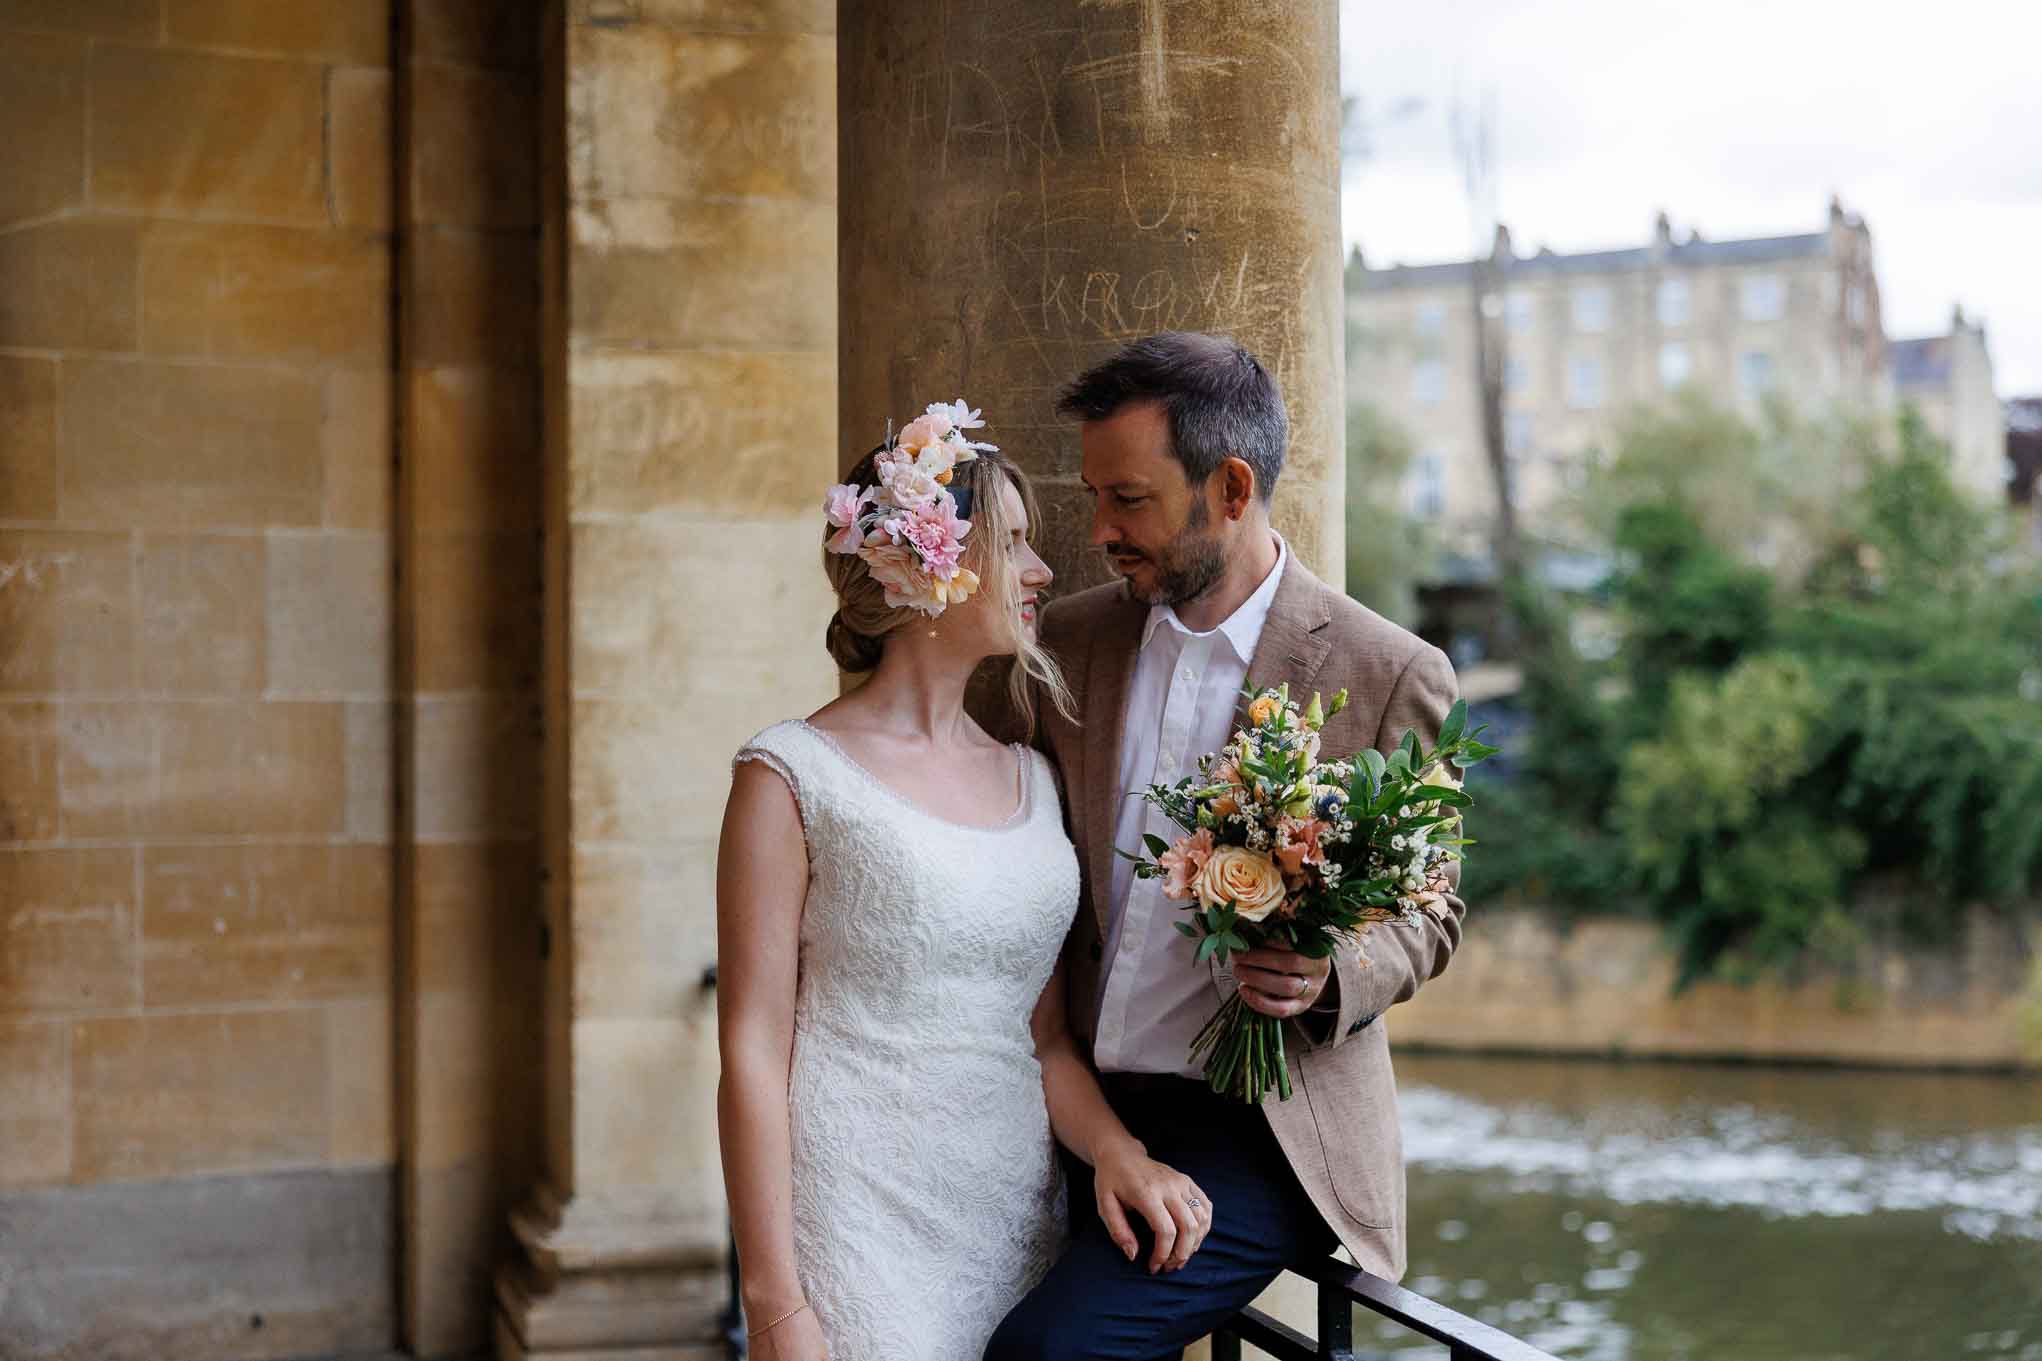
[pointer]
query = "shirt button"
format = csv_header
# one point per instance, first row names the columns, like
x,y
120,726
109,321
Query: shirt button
x,y
1189,674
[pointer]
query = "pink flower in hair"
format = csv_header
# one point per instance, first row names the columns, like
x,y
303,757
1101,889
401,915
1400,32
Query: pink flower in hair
x,y
924,430
841,507
960,416
906,484
936,532
908,584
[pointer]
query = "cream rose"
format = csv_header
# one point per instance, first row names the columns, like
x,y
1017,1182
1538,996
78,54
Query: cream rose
x,y
1248,879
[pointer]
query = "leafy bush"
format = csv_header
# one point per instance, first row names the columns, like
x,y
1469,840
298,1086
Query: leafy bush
x,y
1763,738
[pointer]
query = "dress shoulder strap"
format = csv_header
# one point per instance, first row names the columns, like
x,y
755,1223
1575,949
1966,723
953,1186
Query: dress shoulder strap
x,y
787,749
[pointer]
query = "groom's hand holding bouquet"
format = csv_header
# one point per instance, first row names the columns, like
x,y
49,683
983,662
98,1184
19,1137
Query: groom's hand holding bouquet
x,y
1287,858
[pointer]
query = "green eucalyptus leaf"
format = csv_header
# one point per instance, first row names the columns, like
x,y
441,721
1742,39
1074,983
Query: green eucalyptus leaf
x,y
1456,723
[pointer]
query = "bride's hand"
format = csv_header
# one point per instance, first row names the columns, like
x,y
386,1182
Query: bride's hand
x,y
1178,1214
798,1338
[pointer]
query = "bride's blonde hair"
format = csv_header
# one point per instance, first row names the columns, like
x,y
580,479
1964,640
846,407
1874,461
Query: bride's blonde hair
x,y
858,631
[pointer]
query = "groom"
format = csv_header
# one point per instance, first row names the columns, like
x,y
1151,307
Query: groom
x,y
1183,439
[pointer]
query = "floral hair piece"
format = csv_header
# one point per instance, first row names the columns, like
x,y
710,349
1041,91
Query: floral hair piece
x,y
908,528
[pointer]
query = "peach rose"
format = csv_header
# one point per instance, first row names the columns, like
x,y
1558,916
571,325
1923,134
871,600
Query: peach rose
x,y
1263,709
1248,879
924,430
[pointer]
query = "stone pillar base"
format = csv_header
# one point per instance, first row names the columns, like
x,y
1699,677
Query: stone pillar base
x,y
611,1280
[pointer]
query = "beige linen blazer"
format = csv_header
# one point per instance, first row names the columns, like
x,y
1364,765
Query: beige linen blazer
x,y
1339,1129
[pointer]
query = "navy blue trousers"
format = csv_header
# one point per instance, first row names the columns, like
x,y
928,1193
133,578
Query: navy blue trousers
x,y
1096,1304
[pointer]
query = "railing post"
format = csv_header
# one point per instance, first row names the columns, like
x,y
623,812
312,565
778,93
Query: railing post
x,y
735,1344
1226,1345
1336,1324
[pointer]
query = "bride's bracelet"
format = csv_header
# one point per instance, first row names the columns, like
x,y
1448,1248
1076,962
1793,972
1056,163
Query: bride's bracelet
x,y
760,1332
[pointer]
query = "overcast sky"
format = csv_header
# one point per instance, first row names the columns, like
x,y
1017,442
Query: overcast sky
x,y
1736,117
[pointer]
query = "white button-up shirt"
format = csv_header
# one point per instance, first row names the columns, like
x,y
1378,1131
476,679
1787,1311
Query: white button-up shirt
x,y
1181,704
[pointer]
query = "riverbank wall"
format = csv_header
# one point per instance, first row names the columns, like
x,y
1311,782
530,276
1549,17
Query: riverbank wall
x,y
1526,981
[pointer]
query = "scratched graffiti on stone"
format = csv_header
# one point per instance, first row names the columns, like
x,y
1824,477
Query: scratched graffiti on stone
x,y
1044,181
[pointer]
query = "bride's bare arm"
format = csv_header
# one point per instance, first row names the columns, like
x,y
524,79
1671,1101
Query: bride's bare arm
x,y
1124,1177
761,884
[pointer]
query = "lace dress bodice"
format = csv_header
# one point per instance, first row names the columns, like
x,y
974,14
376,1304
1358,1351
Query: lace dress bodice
x,y
927,1198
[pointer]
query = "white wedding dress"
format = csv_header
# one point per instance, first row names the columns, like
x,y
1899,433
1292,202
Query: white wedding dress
x,y
927,1198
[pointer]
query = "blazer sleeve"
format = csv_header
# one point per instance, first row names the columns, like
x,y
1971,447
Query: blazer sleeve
x,y
1394,961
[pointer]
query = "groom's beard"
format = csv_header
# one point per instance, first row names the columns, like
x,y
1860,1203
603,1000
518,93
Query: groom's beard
x,y
1189,567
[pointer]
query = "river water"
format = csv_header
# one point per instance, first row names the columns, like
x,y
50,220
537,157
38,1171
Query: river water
x,y
1664,1212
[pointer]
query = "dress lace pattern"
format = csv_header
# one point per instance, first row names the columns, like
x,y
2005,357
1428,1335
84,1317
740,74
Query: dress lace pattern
x,y
927,1199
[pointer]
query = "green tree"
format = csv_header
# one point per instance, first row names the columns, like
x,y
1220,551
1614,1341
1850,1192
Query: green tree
x,y
1766,735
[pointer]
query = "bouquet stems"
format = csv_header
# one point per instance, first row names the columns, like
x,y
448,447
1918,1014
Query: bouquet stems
x,y
1243,1052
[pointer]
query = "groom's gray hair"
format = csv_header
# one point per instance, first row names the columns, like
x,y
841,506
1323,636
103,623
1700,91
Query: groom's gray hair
x,y
1220,402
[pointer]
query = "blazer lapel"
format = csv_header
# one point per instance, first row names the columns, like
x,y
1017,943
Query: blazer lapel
x,y
1294,639
1110,674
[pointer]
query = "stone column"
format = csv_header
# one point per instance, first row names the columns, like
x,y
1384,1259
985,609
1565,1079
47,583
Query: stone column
x,y
1034,182
691,393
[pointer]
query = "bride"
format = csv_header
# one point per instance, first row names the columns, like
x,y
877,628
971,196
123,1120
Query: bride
x,y
893,888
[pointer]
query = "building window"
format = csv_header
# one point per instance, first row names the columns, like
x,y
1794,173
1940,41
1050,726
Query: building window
x,y
1428,382
1584,383
1591,309
1673,302
1517,433
1755,373
1428,486
1431,318
1516,374
1763,297
1854,304
1517,312
1675,367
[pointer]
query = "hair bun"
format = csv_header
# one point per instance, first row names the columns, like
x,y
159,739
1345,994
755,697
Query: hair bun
x,y
854,651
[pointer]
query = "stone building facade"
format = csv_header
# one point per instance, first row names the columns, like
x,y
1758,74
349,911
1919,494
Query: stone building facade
x,y
1948,380
1590,336
412,422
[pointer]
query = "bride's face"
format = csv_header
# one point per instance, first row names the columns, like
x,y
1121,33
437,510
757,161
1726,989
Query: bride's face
x,y
1012,578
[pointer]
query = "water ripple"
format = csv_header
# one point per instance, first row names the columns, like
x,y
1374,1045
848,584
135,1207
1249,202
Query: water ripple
x,y
1985,1186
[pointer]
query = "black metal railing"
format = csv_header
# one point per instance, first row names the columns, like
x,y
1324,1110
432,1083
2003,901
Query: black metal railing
x,y
1341,1287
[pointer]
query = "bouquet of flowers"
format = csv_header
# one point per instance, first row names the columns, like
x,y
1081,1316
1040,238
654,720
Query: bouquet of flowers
x,y
1282,849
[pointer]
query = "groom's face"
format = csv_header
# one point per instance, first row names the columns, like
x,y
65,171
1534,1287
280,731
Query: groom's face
x,y
1157,530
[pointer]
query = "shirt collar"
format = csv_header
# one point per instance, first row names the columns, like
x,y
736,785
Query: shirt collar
x,y
1242,629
